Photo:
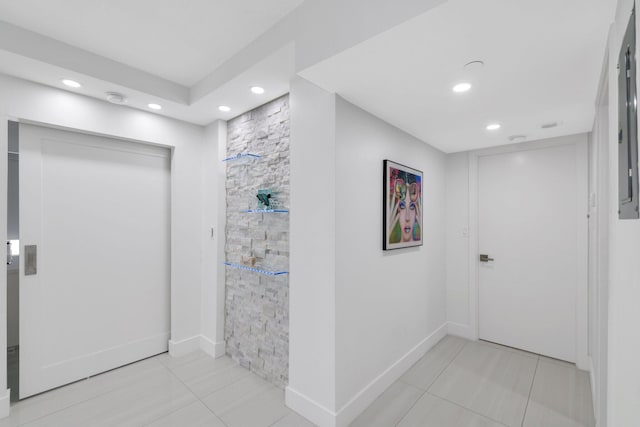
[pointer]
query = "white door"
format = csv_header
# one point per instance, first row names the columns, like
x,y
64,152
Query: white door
x,y
97,209
530,214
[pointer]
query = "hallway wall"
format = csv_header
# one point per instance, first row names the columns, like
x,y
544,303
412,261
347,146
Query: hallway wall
x,y
388,303
624,269
41,104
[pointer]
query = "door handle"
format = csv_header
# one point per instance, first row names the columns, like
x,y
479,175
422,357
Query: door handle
x,y
485,258
30,260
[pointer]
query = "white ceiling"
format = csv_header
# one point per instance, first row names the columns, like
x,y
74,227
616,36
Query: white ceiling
x,y
542,60
180,41
542,64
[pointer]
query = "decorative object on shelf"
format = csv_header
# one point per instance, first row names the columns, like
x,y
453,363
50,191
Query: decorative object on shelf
x,y
264,199
249,261
267,201
265,210
242,156
402,206
255,270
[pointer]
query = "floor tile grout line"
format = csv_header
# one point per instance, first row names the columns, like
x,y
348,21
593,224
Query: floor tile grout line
x,y
467,409
204,397
455,356
279,419
61,409
412,406
533,380
194,395
85,380
426,391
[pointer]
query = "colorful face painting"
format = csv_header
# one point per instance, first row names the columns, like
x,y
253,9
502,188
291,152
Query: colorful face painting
x,y
402,209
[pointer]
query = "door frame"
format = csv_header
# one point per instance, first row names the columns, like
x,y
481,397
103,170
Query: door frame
x,y
174,304
580,142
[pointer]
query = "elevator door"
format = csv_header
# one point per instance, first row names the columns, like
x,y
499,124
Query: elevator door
x,y
95,242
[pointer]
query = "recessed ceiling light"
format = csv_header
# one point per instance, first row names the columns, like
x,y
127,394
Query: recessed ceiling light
x,y
224,108
494,126
71,83
155,106
462,87
257,90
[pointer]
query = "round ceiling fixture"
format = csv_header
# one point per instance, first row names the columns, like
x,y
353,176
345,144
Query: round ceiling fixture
x,y
224,108
154,106
257,90
494,126
116,98
462,87
549,125
517,138
71,83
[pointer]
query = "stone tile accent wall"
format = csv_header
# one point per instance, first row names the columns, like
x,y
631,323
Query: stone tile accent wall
x,y
256,305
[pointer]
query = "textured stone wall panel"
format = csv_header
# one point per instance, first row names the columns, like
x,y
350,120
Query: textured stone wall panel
x,y
257,306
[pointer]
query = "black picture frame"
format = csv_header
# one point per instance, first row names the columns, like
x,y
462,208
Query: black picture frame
x,y
402,206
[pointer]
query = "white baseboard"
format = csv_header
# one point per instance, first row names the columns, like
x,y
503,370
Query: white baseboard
x,y
324,417
583,363
5,401
311,410
375,388
460,330
183,347
213,349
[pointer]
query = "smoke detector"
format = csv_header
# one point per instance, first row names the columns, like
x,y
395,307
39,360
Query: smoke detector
x,y
116,98
474,65
517,138
549,125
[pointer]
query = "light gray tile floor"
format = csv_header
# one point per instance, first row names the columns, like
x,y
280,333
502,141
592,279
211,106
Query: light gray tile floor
x,y
458,383
162,391
461,383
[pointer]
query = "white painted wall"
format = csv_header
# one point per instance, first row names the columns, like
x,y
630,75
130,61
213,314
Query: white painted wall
x,y
312,263
599,252
459,287
31,102
213,238
457,243
387,303
359,317
624,274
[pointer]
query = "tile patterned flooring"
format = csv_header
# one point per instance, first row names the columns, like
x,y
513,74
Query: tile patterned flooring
x,y
461,383
458,383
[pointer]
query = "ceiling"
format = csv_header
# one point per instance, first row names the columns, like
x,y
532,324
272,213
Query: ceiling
x,y
181,41
151,51
542,61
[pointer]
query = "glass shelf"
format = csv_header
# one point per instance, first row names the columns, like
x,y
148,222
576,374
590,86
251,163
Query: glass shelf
x,y
265,210
255,270
241,156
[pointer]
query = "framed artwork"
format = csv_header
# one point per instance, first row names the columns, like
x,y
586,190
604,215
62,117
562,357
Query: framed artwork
x,y
402,210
